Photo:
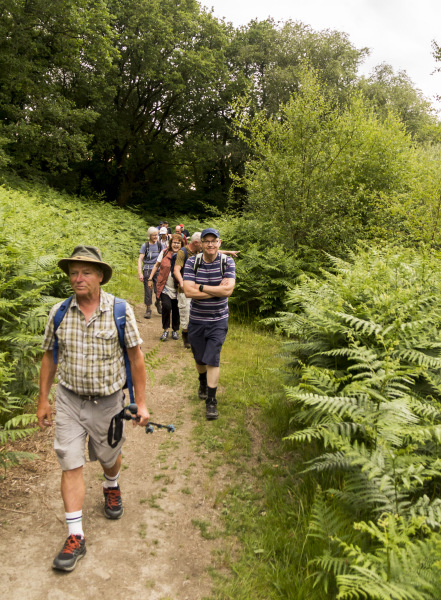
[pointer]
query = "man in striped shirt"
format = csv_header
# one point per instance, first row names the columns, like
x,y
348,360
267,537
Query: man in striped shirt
x,y
209,290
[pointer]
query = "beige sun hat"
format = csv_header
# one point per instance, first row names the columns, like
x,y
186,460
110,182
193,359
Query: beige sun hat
x,y
87,254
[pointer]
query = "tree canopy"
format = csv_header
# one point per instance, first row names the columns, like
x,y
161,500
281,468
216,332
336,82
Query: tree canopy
x,y
135,101
317,169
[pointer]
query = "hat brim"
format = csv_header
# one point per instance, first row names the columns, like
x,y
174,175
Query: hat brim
x,y
106,269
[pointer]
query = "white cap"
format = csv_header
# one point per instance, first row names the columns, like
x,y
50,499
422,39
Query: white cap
x,y
163,230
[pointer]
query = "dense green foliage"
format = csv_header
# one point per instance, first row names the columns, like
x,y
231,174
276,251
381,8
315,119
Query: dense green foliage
x,y
38,226
161,107
171,57
395,93
318,170
136,99
53,61
365,394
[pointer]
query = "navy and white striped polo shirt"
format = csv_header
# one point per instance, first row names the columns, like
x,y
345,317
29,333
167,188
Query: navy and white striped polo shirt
x,y
209,309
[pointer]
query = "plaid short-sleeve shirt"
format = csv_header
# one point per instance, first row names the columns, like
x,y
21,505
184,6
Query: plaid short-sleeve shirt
x,y
90,358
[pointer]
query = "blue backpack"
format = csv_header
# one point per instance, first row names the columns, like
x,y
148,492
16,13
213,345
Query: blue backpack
x,y
119,314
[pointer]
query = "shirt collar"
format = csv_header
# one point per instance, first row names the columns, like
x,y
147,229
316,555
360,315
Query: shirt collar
x,y
105,303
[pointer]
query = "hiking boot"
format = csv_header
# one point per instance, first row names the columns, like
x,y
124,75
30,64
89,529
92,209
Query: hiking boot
x,y
113,508
158,305
175,335
164,336
212,413
74,548
203,391
148,314
185,339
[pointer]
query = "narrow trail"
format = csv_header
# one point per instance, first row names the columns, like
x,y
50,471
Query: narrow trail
x,y
154,551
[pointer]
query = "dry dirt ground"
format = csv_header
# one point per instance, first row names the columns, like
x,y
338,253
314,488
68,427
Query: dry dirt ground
x,y
155,551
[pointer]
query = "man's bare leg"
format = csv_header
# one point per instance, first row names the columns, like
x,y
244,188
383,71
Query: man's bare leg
x,y
73,489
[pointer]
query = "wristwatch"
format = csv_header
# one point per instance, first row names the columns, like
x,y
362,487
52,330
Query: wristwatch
x,y
201,288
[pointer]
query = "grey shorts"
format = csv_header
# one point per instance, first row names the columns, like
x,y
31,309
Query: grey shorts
x,y
76,419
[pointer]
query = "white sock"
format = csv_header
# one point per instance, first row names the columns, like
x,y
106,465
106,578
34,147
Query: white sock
x,y
111,482
74,522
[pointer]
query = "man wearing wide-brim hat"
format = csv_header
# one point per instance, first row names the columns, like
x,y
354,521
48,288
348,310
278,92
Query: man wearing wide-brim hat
x,y
91,374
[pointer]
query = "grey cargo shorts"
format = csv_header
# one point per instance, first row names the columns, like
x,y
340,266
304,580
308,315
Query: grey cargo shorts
x,y
77,418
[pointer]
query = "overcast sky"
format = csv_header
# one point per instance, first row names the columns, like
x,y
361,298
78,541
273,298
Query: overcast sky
x,y
398,32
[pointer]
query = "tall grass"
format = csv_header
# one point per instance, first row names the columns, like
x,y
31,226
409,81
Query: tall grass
x,y
265,504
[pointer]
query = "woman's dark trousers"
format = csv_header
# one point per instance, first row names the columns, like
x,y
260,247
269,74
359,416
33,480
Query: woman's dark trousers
x,y
170,307
148,291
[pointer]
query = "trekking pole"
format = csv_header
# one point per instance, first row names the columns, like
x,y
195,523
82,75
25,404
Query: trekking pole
x,y
149,428
130,412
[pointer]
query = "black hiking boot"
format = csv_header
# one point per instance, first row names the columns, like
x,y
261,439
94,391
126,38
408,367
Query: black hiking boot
x,y
113,508
203,391
211,413
74,548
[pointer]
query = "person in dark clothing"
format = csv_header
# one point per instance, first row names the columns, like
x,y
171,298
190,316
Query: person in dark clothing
x,y
184,231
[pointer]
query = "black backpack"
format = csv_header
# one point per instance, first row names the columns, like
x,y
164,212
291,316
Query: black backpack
x,y
198,261
150,254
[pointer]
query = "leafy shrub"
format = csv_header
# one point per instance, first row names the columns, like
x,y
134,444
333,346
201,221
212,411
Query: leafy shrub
x,y
365,392
38,226
23,312
264,270
317,168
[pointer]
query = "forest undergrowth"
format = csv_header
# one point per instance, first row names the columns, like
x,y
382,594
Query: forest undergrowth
x,y
332,425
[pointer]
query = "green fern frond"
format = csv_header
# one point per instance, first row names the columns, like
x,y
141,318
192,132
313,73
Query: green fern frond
x,y
11,458
360,325
417,357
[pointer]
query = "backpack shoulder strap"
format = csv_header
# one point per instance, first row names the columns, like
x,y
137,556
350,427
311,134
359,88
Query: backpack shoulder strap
x,y
119,315
224,263
58,317
197,262
159,246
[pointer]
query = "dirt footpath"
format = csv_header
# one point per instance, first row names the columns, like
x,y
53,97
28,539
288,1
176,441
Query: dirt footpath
x,y
156,551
